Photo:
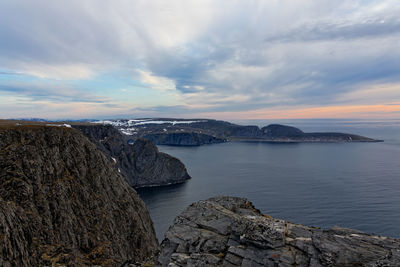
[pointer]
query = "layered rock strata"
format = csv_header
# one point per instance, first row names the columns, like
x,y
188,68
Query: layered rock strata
x,y
229,231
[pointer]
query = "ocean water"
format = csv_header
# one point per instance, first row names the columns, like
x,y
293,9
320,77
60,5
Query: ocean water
x,y
354,185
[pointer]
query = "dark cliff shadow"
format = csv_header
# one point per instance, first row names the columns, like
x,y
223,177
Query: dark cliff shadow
x,y
153,193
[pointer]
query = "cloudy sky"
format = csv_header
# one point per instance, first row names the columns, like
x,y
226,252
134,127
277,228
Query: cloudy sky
x,y
222,59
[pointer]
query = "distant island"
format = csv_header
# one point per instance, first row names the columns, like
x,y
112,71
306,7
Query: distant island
x,y
195,132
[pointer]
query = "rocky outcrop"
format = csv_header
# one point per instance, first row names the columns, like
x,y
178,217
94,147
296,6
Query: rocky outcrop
x,y
154,168
277,131
228,231
63,204
183,139
141,163
283,133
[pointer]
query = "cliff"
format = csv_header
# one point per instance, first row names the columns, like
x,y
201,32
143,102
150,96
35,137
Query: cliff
x,y
284,133
63,204
141,163
182,139
228,231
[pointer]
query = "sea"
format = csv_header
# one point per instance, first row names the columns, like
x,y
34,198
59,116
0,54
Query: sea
x,y
352,185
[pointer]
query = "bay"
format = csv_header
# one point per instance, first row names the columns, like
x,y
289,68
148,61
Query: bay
x,y
354,185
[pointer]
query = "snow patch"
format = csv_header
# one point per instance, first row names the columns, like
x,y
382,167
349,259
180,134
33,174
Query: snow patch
x,y
113,123
59,125
128,131
128,123
133,122
166,122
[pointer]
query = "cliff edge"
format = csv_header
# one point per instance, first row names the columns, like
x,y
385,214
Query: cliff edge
x,y
141,163
229,231
62,203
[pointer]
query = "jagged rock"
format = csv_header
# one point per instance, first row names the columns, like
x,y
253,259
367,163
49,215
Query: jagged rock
x,y
153,168
141,163
229,231
63,204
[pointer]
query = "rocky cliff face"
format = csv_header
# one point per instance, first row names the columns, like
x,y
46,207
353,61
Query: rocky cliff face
x,y
277,130
227,231
63,204
183,139
141,163
153,168
283,133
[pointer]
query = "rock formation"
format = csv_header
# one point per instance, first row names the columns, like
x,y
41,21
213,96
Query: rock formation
x,y
228,231
63,204
204,131
141,163
182,139
283,133
279,131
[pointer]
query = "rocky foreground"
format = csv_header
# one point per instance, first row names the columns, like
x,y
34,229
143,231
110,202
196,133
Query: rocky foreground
x,y
63,204
229,231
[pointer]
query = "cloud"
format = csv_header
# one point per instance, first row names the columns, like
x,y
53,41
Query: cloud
x,y
36,91
364,28
379,93
10,73
331,59
155,82
199,56
59,72
317,112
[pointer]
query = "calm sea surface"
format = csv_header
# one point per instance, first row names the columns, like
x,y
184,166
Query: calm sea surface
x,y
355,185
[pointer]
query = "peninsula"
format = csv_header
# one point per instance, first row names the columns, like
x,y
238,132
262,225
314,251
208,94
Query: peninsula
x,y
194,132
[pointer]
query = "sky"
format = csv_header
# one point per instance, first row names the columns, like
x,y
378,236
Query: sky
x,y
225,59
